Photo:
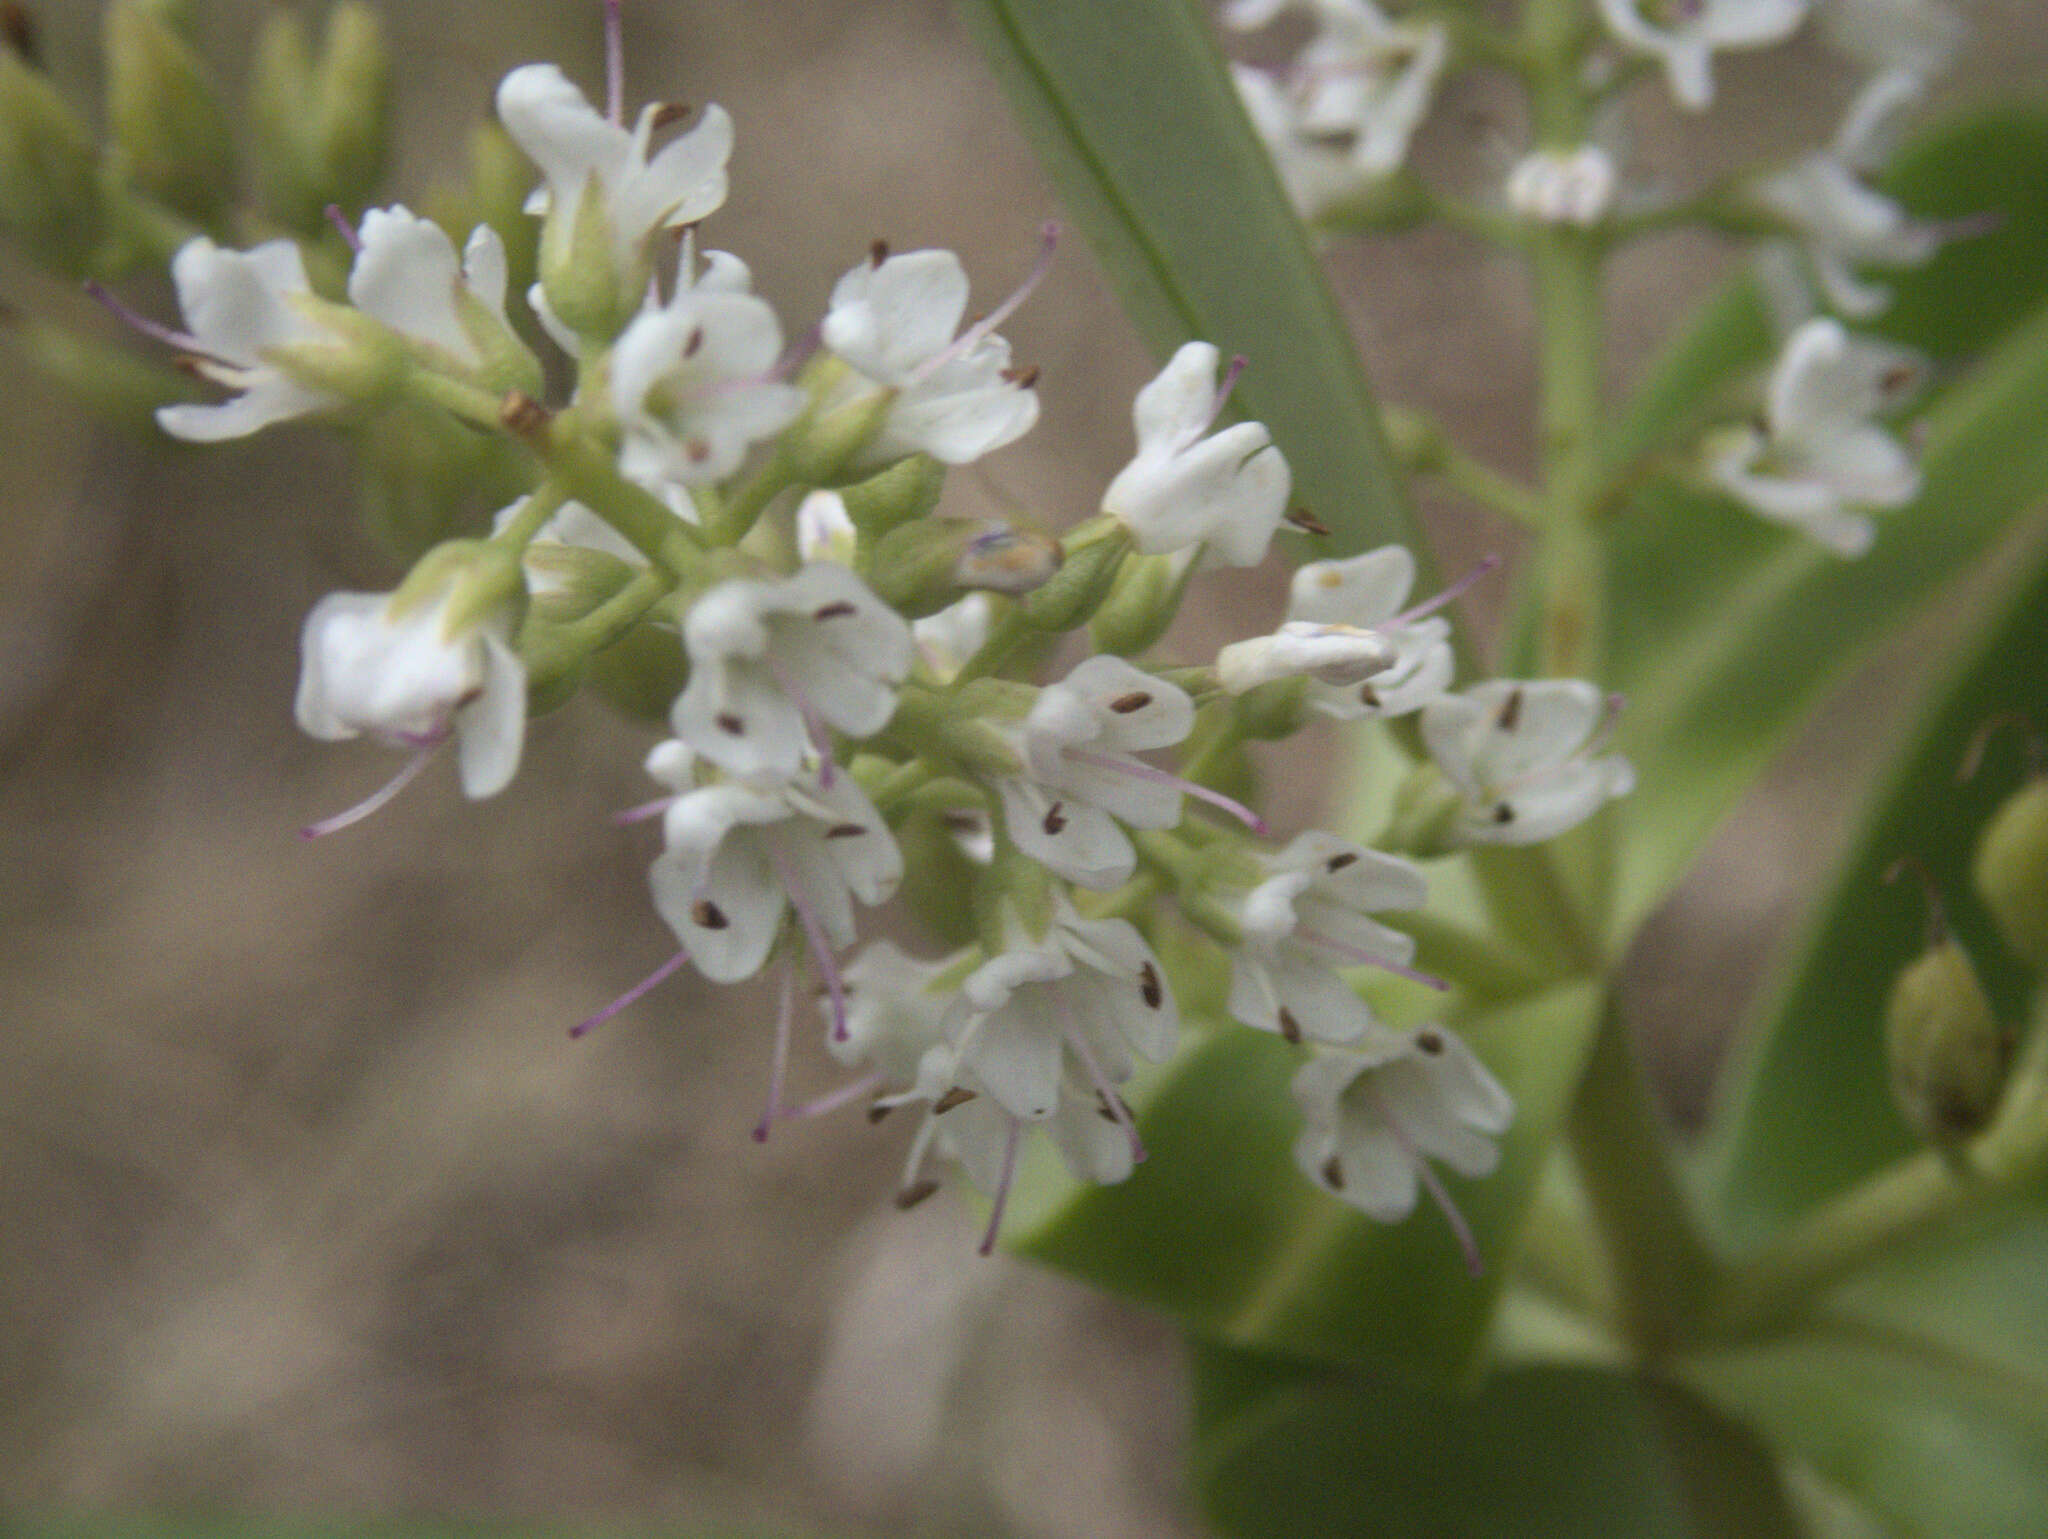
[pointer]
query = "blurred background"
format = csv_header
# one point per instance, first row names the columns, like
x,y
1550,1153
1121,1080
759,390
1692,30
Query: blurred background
x,y
307,1202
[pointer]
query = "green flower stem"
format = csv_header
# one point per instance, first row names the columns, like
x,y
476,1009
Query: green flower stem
x,y
609,621
1482,484
1479,220
735,519
472,403
1570,558
1775,1288
1661,1268
894,788
592,478
544,504
1480,962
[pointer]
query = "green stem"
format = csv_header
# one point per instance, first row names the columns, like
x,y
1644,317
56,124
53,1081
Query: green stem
x,y
544,504
1569,562
1662,1270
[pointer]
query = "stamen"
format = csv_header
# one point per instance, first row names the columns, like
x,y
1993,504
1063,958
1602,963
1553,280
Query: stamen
x,y
156,331
832,1100
814,724
1002,1196
1227,384
633,995
339,220
1475,1264
1428,606
614,64
645,810
780,1061
1363,958
814,933
1078,1041
971,338
1138,769
376,800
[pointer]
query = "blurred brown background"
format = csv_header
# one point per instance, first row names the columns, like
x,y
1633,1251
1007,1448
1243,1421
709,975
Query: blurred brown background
x,y
307,1203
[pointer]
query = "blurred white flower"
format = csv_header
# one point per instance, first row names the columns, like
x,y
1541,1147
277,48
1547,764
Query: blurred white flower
x,y
1521,757
1574,187
1684,35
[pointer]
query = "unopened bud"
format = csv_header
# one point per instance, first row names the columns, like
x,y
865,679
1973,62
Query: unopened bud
x,y
2010,871
1094,551
362,360
843,419
920,568
580,270
352,104
1142,604
49,171
1271,711
164,118
477,578
906,491
1947,1053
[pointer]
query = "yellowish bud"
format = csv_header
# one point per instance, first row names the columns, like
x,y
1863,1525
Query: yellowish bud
x,y
2010,871
1947,1052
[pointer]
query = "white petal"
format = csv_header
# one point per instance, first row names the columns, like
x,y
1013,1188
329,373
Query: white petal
x,y
491,729
406,274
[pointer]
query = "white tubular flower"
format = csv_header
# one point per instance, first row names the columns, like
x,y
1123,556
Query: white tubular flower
x,y
1364,83
775,663
1521,758
1079,774
1820,457
401,674
956,397
1349,635
1376,1117
1226,492
1839,221
238,305
692,383
1574,187
1684,35
1089,990
738,858
579,152
1307,918
1921,36
407,275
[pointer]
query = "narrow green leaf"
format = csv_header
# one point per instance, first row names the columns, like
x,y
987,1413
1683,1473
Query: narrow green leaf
x,y
1816,1040
1133,115
1220,1228
1537,1453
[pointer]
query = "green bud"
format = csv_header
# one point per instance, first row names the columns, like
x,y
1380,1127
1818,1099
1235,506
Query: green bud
x,y
1426,806
580,270
908,490
843,419
351,118
280,86
363,360
166,123
1094,551
1947,1053
1272,711
425,473
49,171
1142,603
2010,870
477,577
920,568
940,897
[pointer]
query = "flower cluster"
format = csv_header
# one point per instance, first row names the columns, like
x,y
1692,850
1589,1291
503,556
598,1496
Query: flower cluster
x,y
852,658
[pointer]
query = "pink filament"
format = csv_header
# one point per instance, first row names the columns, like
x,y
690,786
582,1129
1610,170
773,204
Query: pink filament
x,y
156,331
614,64
1365,958
971,338
814,933
339,220
377,799
1079,1043
779,1064
1138,769
633,995
1475,1264
832,1100
1429,606
1002,1194
645,810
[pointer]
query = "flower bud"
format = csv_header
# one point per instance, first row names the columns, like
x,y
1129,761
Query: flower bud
x,y
1273,711
1947,1052
580,269
1142,604
165,121
2010,870
1093,552
906,491
321,122
424,472
1426,810
49,171
915,569
843,420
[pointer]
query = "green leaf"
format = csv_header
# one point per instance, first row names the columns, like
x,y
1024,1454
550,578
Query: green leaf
x,y
1220,1228
1538,1452
1816,1040
1133,115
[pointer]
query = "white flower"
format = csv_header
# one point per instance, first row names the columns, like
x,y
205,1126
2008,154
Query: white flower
x,y
956,398
1363,83
1574,187
1374,1118
1684,35
580,154
1079,777
1317,176
407,275
1839,221
1520,756
1307,918
893,1019
692,385
1349,635
1089,990
1921,36
238,305
824,530
774,663
399,673
1820,457
1226,492
739,857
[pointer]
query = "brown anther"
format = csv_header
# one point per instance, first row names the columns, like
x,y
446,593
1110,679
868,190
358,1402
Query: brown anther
x,y
912,1195
839,609
846,830
878,253
730,724
18,29
1333,1174
1306,522
522,416
1503,813
696,341
696,451
1103,1109
1429,1041
1368,697
961,822
1510,711
1898,377
1136,700
708,915
186,364
1149,988
1024,378
668,114
880,1110
1290,1028
1055,820
959,1095
1340,860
